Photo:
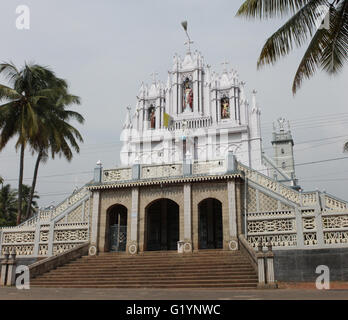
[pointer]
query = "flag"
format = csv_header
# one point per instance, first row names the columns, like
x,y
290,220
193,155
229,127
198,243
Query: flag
x,y
166,120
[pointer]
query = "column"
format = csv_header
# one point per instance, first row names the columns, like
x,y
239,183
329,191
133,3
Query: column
x,y
4,266
158,116
232,215
187,219
95,220
195,91
37,237
11,271
299,228
133,240
319,222
50,239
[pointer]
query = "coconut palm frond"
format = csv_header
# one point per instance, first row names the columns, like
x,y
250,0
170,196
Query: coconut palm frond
x,y
311,59
345,147
294,32
335,52
7,93
264,9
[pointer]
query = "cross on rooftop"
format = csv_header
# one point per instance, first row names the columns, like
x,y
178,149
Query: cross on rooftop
x,y
188,43
153,75
224,64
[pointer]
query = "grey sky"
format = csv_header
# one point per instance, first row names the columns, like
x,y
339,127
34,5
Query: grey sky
x,y
106,48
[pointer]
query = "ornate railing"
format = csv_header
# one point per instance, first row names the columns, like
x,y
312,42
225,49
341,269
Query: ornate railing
x,y
160,171
51,231
120,174
333,203
277,226
195,123
209,167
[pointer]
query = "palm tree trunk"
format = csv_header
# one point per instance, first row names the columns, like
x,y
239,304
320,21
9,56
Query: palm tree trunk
x,y
20,183
32,190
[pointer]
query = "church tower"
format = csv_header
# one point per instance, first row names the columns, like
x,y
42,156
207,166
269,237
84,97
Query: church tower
x,y
282,142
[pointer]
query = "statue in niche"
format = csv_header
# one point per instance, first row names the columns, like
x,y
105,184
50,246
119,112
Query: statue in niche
x,y
188,95
225,108
152,117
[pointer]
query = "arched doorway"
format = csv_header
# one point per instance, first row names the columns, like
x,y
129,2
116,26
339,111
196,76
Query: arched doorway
x,y
162,225
210,224
117,228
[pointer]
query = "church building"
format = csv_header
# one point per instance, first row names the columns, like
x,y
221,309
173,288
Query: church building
x,y
194,177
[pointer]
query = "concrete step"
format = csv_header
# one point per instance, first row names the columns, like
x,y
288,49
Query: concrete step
x,y
158,265
155,277
144,281
236,286
208,269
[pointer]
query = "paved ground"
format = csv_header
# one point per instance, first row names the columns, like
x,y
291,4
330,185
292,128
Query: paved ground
x,y
170,294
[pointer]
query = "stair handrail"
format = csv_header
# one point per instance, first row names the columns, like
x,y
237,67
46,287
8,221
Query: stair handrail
x,y
249,250
47,264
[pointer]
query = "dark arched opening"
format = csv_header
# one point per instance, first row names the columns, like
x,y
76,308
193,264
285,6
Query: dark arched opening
x,y
162,225
210,224
117,228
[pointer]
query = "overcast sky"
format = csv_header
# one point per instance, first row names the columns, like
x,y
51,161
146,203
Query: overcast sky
x,y
106,48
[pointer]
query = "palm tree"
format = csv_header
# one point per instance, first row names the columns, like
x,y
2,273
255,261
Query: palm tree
x,y
18,113
328,48
8,206
29,199
55,132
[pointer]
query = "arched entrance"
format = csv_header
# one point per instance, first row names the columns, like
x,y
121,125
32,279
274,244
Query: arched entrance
x,y
162,225
210,224
117,228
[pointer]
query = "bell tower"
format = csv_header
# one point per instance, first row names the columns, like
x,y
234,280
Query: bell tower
x,y
283,144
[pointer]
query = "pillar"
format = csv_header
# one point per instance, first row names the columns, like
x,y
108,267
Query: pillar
x,y
261,269
95,220
3,275
133,239
187,245
270,266
232,215
299,229
11,269
260,256
319,222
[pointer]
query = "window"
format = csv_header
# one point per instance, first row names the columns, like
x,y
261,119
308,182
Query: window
x,y
282,151
283,165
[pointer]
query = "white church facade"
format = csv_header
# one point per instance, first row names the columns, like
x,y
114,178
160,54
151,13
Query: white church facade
x,y
200,115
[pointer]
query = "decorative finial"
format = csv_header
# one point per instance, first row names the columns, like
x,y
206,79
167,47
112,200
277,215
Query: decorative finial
x,y
224,65
154,75
188,42
281,122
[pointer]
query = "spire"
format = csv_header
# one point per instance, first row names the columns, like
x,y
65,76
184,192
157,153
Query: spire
x,y
128,121
242,93
253,100
154,76
169,82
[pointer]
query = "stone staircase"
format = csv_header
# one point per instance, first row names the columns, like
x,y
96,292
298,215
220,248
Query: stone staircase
x,y
156,269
